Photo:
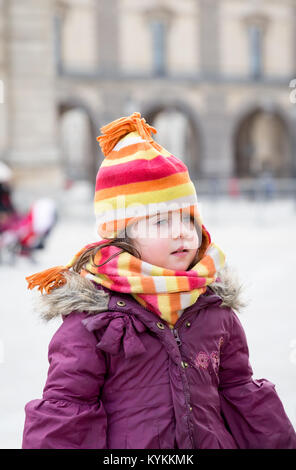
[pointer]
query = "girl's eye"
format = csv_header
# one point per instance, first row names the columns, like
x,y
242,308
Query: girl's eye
x,y
160,221
184,220
187,220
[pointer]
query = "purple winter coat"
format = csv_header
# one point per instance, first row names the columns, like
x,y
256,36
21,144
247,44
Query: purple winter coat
x,y
119,378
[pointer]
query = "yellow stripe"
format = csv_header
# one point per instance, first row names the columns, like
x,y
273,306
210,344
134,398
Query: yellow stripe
x,y
164,305
156,270
221,257
202,270
171,284
122,263
136,284
105,280
140,300
141,155
124,271
129,135
165,195
136,134
193,296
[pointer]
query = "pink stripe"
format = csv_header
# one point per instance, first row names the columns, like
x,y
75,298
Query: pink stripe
x,y
152,301
138,171
196,282
119,284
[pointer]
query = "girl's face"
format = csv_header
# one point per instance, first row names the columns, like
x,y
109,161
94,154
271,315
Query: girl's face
x,y
158,237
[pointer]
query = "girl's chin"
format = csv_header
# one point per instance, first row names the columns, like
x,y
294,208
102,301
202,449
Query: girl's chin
x,y
180,266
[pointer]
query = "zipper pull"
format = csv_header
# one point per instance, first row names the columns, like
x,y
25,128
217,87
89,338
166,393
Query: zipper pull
x,y
178,341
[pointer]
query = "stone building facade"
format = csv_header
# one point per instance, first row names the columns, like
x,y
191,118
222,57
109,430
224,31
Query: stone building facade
x,y
214,76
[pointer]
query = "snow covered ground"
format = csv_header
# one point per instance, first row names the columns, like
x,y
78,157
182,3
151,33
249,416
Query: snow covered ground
x,y
259,242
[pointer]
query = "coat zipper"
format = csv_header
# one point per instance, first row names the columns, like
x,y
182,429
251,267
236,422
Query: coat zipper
x,y
177,338
186,394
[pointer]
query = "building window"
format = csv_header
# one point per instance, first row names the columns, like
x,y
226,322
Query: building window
x,y
57,37
158,31
255,38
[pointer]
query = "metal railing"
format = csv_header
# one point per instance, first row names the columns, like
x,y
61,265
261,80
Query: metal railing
x,y
247,188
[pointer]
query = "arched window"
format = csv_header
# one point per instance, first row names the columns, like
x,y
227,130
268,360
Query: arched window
x,y
178,133
76,143
263,141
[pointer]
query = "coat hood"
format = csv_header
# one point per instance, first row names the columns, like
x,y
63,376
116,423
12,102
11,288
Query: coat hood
x,y
81,294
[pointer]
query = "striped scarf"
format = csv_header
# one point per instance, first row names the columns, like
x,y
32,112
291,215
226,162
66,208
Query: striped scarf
x,y
165,292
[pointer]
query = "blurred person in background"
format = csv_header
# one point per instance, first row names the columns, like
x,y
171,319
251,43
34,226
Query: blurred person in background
x,y
7,209
22,234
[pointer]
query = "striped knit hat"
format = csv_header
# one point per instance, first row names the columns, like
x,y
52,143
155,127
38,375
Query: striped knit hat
x,y
138,177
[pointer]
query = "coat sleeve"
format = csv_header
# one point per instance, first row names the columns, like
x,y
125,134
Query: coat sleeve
x,y
70,414
252,409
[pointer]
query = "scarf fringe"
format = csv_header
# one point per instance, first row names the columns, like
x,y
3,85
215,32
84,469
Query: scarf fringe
x,y
117,129
48,280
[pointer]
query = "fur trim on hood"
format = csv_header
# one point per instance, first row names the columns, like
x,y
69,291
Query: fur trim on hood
x,y
230,289
80,294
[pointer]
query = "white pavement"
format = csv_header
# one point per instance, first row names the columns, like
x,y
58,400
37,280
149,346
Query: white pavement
x,y
259,243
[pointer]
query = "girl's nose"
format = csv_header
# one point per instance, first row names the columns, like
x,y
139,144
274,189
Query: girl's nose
x,y
180,229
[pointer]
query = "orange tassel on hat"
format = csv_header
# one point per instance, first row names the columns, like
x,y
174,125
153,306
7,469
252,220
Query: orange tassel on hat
x,y
48,280
117,129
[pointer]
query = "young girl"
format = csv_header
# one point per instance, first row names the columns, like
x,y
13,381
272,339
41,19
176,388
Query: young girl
x,y
150,354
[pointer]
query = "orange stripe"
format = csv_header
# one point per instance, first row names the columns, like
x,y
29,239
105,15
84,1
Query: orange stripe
x,y
113,225
120,224
174,318
129,150
148,284
166,272
182,283
98,257
175,304
143,186
135,265
140,300
208,262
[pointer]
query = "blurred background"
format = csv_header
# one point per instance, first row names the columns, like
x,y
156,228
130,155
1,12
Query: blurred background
x,y
217,78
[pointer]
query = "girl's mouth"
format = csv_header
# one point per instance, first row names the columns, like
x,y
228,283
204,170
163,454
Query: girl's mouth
x,y
180,252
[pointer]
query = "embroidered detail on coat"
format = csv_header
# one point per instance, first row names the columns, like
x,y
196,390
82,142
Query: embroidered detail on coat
x,y
203,359
215,358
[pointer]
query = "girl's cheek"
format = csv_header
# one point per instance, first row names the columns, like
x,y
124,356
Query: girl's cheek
x,y
196,240
192,238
